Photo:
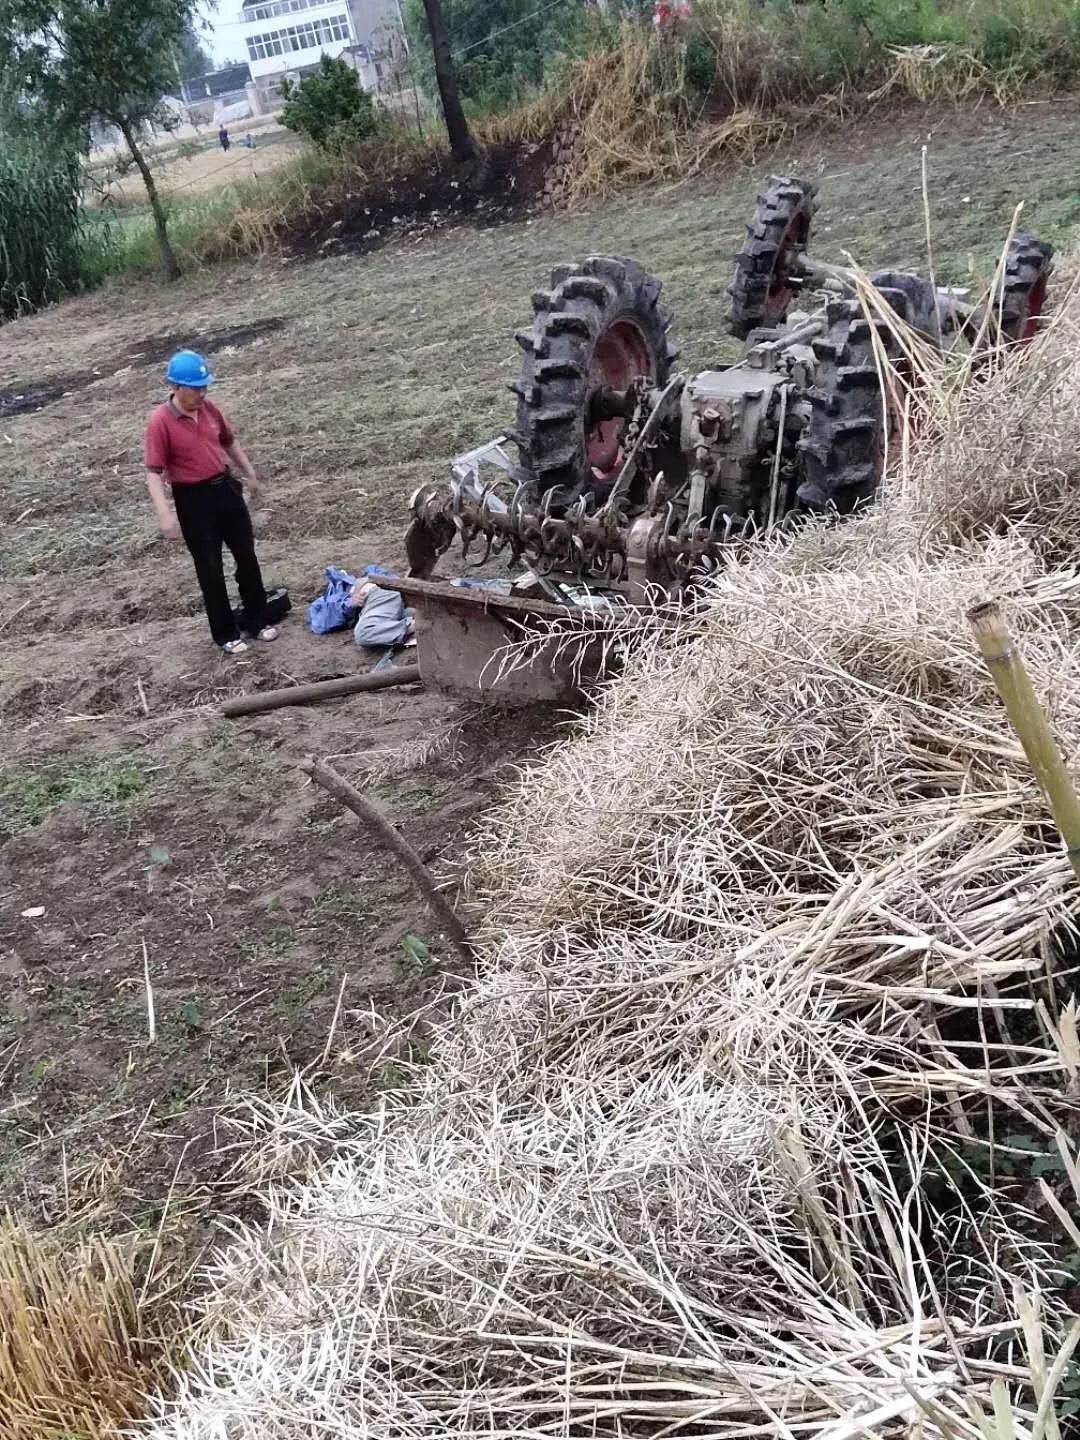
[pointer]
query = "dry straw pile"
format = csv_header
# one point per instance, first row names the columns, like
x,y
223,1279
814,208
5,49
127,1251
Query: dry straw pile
x,y
628,117
767,961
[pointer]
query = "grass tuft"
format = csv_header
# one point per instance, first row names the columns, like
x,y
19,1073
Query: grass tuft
x,y
102,786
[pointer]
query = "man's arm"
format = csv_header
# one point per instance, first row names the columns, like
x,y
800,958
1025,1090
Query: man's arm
x,y
239,459
167,521
156,459
245,467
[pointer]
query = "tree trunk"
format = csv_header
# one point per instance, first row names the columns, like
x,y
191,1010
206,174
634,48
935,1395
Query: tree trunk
x,y
462,145
169,266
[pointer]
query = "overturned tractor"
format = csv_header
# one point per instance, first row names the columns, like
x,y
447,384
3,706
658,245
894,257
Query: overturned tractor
x,y
631,476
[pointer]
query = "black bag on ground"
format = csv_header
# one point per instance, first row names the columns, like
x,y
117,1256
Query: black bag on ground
x,y
278,606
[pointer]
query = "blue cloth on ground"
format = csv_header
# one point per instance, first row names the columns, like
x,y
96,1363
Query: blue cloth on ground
x,y
333,610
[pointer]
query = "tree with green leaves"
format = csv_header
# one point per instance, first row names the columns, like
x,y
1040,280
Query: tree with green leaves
x,y
192,59
66,64
329,106
499,48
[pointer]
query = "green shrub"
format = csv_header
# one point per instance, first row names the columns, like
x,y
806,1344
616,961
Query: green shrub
x,y
330,107
1002,43
505,50
488,86
700,66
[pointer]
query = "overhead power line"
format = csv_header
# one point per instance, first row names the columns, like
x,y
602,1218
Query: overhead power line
x,y
496,33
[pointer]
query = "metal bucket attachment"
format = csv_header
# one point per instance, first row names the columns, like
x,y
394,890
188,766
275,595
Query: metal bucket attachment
x,y
470,643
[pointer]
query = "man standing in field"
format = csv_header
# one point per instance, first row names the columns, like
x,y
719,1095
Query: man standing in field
x,y
189,444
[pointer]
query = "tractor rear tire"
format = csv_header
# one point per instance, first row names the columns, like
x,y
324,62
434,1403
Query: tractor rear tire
x,y
776,240
1028,267
600,324
842,450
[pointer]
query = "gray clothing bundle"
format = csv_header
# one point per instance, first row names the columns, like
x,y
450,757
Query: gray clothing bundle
x,y
383,620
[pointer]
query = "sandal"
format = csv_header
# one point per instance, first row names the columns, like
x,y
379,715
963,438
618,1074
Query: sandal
x,y
268,632
235,647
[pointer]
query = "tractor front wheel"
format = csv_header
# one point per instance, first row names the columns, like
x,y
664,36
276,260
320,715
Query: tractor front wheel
x,y
777,237
1022,296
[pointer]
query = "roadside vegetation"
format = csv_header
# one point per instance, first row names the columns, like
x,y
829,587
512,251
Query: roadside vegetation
x,y
638,104
330,107
66,66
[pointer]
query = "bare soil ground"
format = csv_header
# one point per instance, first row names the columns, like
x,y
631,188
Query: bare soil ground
x,y
143,824
430,197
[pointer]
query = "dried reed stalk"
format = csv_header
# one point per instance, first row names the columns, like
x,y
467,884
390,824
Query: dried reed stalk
x,y
1006,666
77,1354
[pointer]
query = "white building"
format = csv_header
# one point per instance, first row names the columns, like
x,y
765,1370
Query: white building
x,y
293,35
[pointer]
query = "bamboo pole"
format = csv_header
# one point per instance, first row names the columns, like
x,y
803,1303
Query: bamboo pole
x,y
1029,721
393,839
320,690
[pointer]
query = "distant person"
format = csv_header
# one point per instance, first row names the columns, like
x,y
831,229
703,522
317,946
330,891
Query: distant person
x,y
223,139
189,444
249,143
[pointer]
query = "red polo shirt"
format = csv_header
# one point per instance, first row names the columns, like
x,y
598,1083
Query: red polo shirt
x,y
187,448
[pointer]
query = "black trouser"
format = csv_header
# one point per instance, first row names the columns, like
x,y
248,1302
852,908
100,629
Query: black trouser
x,y
212,513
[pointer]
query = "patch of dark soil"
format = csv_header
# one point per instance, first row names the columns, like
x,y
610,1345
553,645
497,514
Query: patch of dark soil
x,y
20,399
23,396
157,348
435,195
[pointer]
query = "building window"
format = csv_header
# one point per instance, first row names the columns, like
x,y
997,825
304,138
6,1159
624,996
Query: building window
x,y
280,7
308,35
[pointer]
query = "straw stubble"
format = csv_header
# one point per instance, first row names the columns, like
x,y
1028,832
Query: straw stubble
x,y
764,947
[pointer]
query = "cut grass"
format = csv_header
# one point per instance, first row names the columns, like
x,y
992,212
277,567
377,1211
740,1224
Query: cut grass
x,y
104,787
57,546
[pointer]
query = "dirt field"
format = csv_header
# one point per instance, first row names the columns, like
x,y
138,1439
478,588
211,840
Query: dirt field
x,y
142,824
211,168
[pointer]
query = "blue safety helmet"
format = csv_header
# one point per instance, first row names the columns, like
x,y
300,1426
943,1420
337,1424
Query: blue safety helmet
x,y
188,368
